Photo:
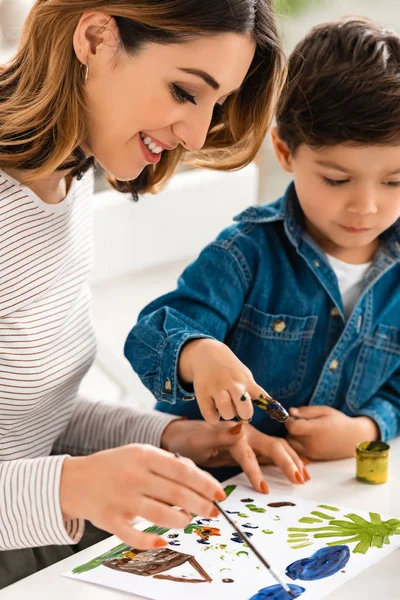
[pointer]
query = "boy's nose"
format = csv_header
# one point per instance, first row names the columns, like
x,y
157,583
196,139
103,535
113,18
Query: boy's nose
x,y
364,204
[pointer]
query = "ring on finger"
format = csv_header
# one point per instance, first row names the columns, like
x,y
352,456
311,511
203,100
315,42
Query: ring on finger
x,y
245,396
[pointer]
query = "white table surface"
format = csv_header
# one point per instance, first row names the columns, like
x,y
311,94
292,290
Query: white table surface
x,y
332,482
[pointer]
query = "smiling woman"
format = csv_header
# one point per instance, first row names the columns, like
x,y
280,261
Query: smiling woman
x,y
194,80
136,85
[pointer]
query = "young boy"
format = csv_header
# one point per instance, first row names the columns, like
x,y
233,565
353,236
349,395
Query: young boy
x,y
301,297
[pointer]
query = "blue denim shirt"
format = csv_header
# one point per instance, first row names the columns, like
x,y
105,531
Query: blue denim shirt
x,y
266,289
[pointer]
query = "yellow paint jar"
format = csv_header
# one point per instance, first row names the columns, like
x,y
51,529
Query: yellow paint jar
x,y
373,462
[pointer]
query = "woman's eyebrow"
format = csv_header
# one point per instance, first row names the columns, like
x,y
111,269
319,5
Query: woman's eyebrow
x,y
204,76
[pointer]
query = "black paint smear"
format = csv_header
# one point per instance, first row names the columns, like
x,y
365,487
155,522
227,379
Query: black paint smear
x,y
226,580
247,500
204,542
280,504
233,512
250,526
173,536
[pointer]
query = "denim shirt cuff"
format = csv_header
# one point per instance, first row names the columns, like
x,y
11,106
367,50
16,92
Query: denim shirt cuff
x,y
380,411
169,388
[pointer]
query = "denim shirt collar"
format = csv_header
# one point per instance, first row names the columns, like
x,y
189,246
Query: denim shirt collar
x,y
287,209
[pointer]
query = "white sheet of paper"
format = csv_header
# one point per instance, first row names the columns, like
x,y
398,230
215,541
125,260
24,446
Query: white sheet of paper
x,y
225,559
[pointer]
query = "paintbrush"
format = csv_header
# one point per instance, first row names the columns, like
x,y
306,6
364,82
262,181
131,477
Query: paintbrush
x,y
243,536
272,407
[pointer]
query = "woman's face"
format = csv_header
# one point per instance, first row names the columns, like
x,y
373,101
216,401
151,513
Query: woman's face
x,y
140,106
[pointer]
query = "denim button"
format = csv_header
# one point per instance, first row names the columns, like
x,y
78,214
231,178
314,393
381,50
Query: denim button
x,y
168,386
279,326
335,312
317,263
334,365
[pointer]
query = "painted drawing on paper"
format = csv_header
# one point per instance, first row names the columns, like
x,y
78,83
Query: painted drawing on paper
x,y
315,547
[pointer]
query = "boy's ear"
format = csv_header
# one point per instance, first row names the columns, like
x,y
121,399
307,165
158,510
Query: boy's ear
x,y
282,151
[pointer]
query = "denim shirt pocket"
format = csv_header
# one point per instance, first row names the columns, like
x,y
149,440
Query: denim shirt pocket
x,y
378,358
275,348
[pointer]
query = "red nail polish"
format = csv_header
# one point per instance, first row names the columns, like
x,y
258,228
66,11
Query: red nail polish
x,y
160,543
264,487
306,474
214,512
305,460
220,496
236,430
299,477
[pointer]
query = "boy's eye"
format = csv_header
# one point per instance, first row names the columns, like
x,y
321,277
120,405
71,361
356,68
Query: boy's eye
x,y
181,95
335,182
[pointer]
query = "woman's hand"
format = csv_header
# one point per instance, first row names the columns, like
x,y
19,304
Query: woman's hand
x,y
223,385
113,487
227,444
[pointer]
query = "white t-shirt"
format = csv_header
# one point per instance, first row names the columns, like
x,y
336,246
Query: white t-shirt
x,y
351,281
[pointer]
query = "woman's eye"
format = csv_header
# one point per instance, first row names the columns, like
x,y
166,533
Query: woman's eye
x,y
181,95
393,183
335,182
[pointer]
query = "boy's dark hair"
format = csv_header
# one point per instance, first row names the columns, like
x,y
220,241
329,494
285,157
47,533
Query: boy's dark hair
x,y
343,86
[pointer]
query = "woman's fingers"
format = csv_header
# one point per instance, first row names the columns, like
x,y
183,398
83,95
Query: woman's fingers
x,y
160,492
123,529
162,514
185,473
244,455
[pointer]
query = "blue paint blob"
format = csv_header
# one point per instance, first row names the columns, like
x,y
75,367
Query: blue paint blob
x,y
276,592
236,538
248,533
250,526
233,512
175,543
203,521
323,563
204,542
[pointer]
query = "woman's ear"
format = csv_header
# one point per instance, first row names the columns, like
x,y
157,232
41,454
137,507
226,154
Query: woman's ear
x,y
94,32
282,151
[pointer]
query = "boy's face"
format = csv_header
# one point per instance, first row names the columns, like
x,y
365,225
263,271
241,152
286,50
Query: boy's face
x,y
349,194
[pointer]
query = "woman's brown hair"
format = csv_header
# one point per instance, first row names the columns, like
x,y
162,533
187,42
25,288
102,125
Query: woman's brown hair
x,y
42,105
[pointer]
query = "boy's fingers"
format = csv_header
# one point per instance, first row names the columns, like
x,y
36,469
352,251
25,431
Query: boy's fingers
x,y
301,426
245,457
224,405
208,409
241,398
310,412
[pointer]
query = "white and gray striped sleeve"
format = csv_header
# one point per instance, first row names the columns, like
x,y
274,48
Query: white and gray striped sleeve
x,y
30,513
96,426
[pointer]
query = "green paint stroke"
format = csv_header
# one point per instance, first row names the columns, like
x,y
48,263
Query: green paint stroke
x,y
368,534
310,520
267,531
229,489
327,507
255,508
321,515
243,515
242,553
276,518
303,545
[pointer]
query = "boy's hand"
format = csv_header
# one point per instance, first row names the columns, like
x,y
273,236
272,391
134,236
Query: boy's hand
x,y
223,385
324,433
227,444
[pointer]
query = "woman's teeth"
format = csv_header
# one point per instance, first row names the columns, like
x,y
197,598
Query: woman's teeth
x,y
151,145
